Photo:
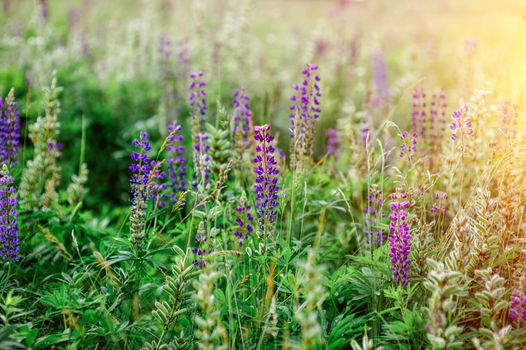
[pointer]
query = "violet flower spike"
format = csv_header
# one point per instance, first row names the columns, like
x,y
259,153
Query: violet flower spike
x,y
305,110
9,240
146,183
374,214
462,125
197,102
9,130
379,75
399,239
517,312
265,186
204,247
242,120
175,163
408,147
439,205
333,142
244,222
201,161
419,114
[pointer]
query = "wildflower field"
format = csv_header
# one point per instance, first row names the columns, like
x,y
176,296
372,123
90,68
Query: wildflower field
x,y
262,174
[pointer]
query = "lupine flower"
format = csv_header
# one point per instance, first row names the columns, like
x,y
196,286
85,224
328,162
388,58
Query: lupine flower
x,y
265,187
428,123
242,120
9,241
437,125
197,101
9,130
183,61
408,146
379,74
55,148
365,133
244,221
201,161
157,185
140,169
145,182
305,111
419,114
517,311
333,142
203,246
508,126
439,204
461,125
175,162
374,214
399,238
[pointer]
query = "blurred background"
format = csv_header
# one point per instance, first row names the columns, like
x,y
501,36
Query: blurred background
x,y
124,65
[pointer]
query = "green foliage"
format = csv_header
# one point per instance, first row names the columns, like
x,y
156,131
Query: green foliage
x,y
315,282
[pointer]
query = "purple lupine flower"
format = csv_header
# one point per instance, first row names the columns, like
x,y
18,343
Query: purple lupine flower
x,y
147,179
365,133
140,168
244,224
439,203
379,75
9,130
242,120
419,113
55,149
517,312
408,146
197,102
305,110
9,241
183,61
461,125
509,121
204,246
374,214
156,184
146,182
266,182
333,142
201,161
175,162
399,238
437,122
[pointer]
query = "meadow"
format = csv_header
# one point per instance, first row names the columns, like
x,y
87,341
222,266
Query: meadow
x,y
250,174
